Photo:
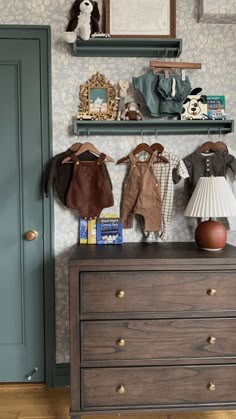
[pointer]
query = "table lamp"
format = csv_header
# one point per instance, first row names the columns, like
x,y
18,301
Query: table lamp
x,y
211,198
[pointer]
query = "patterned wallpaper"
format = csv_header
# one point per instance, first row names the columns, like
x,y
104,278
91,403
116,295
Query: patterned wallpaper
x,y
212,45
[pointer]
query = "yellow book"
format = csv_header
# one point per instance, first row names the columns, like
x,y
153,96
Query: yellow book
x,y
92,229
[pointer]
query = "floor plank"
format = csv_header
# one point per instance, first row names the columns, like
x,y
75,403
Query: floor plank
x,y
36,401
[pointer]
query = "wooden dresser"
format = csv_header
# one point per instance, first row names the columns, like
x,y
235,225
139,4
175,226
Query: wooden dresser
x,y
152,327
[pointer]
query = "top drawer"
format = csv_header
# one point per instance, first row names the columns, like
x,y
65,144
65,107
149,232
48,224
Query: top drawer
x,y
156,291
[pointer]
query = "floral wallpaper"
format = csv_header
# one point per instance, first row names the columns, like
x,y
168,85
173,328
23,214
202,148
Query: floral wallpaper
x,y
213,45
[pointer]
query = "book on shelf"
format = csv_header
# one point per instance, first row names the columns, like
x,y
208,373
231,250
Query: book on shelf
x,y
216,107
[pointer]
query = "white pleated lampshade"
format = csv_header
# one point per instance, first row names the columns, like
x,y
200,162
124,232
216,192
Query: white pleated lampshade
x,y
212,198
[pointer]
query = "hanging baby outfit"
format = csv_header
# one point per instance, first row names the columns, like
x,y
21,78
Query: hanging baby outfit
x,y
141,195
60,175
199,164
163,173
90,189
163,96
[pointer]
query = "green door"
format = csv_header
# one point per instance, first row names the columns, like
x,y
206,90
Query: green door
x,y
22,260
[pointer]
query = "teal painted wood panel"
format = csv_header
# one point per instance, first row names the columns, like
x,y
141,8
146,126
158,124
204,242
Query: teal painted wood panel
x,y
21,209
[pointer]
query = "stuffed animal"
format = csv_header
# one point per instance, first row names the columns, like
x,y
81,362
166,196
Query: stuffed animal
x,y
132,112
84,19
124,86
195,106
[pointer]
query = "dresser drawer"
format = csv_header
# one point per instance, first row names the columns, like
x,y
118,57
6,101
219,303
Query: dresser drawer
x,y
157,339
119,292
120,387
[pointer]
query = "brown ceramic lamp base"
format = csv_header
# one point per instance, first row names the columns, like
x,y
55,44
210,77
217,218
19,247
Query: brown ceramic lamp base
x,y
211,235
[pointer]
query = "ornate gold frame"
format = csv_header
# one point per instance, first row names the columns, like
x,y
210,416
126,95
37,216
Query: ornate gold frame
x,y
98,81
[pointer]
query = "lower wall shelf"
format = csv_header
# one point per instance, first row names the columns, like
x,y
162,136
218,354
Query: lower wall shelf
x,y
153,127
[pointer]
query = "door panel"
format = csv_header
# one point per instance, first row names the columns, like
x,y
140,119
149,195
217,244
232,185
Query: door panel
x,y
21,261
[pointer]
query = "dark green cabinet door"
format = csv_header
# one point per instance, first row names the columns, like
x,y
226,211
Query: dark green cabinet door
x,y
21,210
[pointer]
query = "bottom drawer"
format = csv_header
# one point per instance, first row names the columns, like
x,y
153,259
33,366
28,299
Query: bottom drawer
x,y
124,387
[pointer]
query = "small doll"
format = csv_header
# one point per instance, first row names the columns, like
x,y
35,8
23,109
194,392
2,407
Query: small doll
x,y
131,112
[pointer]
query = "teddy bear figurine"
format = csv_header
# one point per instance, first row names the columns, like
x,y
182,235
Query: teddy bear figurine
x,y
84,19
131,112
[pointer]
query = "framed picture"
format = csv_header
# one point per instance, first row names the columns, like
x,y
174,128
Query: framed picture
x,y
98,99
141,18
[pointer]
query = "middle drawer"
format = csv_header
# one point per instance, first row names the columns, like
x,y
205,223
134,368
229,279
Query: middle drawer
x,y
157,339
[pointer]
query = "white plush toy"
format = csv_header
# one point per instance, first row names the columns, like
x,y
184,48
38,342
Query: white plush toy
x,y
123,88
84,19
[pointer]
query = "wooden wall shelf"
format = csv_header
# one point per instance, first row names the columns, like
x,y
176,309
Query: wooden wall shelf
x,y
128,47
153,127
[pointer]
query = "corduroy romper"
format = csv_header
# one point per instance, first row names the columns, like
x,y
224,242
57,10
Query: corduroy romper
x,y
141,195
90,189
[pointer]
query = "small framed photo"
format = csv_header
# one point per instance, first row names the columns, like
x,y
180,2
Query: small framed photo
x,y
98,99
141,18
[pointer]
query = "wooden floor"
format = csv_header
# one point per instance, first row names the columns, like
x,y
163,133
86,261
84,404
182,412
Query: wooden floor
x,y
30,401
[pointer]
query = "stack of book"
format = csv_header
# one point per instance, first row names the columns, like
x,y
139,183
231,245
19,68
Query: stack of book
x,y
103,230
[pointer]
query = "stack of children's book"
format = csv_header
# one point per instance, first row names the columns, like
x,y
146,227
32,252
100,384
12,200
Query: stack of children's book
x,y
104,230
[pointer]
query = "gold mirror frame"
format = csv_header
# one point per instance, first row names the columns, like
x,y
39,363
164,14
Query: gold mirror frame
x,y
106,111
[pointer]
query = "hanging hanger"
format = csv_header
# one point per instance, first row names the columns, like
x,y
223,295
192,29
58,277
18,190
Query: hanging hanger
x,y
208,146
170,65
75,147
140,147
157,146
87,147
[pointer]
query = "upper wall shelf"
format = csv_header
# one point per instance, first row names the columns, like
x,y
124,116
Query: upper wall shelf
x,y
128,47
153,127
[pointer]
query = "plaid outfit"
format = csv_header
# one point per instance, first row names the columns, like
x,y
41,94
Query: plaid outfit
x,y
163,174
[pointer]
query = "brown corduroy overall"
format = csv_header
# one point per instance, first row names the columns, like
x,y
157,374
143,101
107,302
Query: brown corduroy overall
x,y
141,195
90,188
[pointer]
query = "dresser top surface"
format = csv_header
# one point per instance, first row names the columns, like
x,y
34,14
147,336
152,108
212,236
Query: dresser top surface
x,y
155,253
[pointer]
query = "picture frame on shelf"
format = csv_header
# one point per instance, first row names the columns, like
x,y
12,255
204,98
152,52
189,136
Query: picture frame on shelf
x,y
141,18
98,99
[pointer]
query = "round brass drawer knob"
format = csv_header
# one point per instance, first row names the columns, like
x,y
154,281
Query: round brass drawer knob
x,y
31,235
120,294
211,292
211,387
121,342
211,340
121,390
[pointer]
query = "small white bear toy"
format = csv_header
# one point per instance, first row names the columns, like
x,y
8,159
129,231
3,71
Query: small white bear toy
x,y
84,18
124,86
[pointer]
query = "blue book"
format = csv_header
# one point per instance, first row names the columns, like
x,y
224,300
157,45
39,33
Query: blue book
x,y
109,231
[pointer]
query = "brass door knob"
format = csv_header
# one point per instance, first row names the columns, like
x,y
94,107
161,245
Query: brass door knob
x,y
211,340
31,235
211,292
211,387
121,342
120,294
121,390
